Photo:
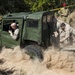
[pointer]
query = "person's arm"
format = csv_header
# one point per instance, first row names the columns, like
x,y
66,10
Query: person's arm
x,y
66,12
66,36
60,12
15,35
55,33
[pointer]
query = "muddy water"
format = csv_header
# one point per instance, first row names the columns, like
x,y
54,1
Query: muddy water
x,y
54,63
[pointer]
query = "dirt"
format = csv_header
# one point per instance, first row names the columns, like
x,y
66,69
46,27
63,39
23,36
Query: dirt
x,y
14,62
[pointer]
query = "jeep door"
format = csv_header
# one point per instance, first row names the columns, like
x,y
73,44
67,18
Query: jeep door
x,y
45,31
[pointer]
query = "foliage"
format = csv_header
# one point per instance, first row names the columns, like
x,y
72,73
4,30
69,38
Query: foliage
x,y
39,5
12,6
30,5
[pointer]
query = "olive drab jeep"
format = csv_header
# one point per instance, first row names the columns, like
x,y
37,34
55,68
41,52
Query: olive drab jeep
x,y
34,31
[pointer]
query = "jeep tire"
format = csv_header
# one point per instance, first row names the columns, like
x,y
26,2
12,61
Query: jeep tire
x,y
34,51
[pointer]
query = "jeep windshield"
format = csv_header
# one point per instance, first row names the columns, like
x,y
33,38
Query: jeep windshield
x,y
32,23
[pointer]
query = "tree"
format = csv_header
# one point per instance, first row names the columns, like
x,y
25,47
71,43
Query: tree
x,y
38,5
30,5
12,6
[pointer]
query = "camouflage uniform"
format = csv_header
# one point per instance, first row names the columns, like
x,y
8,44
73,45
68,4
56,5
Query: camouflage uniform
x,y
66,36
63,13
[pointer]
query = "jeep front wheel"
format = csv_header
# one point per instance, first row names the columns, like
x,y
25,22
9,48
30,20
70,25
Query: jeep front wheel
x,y
34,51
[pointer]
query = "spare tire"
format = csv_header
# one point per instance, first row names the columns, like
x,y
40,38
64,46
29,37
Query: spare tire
x,y
34,51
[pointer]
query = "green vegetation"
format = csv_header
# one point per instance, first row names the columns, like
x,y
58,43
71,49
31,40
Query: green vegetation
x,y
31,5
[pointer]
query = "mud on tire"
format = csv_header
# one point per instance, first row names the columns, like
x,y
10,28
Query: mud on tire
x,y
34,51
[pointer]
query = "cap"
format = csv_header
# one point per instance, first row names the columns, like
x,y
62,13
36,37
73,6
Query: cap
x,y
64,4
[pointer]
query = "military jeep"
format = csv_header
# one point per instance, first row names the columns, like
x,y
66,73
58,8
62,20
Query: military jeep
x,y
35,30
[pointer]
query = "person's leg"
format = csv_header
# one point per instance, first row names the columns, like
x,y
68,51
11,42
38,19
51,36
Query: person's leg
x,y
71,39
55,42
